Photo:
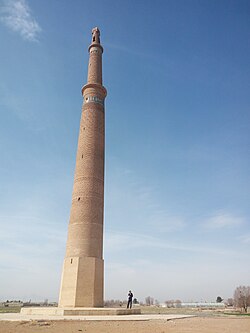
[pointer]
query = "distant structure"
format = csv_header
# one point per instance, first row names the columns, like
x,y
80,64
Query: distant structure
x,y
82,275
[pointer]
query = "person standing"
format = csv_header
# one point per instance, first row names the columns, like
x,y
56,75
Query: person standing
x,y
130,299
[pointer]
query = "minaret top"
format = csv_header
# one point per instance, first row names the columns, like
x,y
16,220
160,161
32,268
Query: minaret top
x,y
96,35
96,38
95,67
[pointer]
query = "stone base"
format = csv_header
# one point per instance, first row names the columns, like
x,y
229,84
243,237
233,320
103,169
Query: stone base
x,y
54,311
82,283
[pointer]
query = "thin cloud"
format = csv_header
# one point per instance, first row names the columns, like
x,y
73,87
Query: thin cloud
x,y
165,222
17,16
116,241
245,239
223,220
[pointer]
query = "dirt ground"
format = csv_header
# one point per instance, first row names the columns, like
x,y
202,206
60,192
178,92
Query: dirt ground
x,y
188,325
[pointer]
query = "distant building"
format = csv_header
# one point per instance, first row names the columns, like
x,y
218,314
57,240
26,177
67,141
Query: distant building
x,y
205,305
11,304
202,305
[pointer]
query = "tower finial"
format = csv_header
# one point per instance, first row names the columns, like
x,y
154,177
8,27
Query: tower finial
x,y
96,35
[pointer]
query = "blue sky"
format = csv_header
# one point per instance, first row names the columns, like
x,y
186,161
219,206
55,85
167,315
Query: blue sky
x,y
177,144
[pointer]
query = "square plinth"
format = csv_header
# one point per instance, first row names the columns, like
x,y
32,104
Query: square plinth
x,y
82,283
54,311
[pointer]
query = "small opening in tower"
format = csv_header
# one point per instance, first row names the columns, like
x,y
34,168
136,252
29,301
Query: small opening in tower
x,y
82,155
94,39
79,199
71,260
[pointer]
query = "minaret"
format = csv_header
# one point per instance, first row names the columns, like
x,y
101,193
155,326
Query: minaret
x,y
82,276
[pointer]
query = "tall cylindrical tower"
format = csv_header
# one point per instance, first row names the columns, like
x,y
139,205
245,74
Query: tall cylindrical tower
x,y
82,276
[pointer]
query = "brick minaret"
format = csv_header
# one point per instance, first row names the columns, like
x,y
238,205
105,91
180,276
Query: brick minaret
x,y
82,276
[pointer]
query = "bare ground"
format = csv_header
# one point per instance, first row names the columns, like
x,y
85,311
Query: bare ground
x,y
188,325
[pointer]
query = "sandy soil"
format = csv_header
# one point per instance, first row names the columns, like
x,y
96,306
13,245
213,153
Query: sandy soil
x,y
188,325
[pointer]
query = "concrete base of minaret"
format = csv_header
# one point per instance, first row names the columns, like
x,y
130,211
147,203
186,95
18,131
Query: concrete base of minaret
x,y
57,311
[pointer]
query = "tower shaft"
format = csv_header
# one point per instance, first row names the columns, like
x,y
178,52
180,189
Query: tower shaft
x,y
82,276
